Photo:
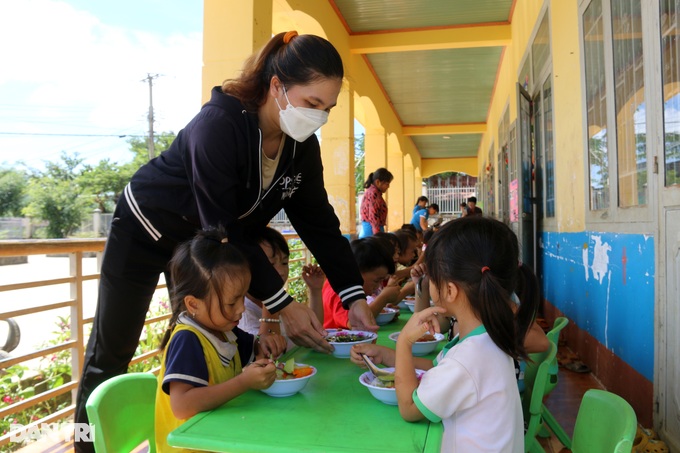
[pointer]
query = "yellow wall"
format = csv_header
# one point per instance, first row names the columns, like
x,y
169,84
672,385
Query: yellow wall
x,y
567,115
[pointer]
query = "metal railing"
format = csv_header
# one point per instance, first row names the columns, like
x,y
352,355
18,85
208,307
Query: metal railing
x,y
76,278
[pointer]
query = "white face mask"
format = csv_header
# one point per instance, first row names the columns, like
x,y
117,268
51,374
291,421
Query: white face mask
x,y
299,122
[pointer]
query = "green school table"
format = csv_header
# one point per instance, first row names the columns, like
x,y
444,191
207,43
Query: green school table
x,y
333,413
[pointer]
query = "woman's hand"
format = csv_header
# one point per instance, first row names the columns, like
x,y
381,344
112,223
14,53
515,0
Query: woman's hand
x,y
361,317
421,322
271,344
259,374
303,327
377,354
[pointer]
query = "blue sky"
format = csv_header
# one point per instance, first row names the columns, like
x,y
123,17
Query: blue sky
x,y
75,68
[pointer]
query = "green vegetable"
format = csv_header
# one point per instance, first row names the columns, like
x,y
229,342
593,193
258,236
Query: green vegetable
x,y
289,367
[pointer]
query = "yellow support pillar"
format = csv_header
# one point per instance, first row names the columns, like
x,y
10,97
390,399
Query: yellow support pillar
x,y
337,153
232,31
395,194
375,146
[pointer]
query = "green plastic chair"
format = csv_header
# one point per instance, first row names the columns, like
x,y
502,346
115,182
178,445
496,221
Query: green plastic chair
x,y
548,418
605,423
122,410
536,377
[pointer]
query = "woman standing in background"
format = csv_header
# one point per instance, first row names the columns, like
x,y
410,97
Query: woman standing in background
x,y
373,206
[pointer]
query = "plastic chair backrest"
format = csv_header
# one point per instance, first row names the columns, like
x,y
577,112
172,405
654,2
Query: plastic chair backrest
x,y
554,336
122,411
605,423
532,400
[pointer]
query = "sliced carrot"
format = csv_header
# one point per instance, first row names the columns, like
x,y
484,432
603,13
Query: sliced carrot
x,y
302,372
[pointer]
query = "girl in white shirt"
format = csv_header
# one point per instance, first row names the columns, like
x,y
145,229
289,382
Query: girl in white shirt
x,y
473,268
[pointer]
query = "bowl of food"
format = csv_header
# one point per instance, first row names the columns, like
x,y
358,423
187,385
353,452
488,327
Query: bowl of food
x,y
386,315
407,300
291,377
382,391
425,344
343,340
411,304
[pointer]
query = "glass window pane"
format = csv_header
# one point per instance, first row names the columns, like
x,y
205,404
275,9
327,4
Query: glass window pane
x,y
540,48
596,95
548,150
670,56
538,176
630,102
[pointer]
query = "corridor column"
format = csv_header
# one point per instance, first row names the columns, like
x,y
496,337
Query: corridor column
x,y
232,31
337,153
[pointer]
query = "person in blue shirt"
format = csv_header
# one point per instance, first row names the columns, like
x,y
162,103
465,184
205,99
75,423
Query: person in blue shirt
x,y
421,203
419,219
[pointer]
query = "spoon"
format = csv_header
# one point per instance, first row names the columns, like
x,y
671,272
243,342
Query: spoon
x,y
385,376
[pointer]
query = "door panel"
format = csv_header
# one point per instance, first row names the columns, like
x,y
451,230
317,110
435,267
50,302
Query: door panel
x,y
525,224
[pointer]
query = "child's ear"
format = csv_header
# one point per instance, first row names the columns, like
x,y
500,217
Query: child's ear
x,y
191,303
452,292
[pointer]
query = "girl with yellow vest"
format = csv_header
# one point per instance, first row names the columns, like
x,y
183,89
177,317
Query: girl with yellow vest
x,y
201,367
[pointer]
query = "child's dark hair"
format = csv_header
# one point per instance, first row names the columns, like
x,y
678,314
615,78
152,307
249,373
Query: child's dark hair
x,y
199,268
275,239
480,255
294,59
371,253
389,238
381,174
403,237
427,235
422,198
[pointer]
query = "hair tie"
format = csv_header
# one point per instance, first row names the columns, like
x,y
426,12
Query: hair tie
x,y
289,35
485,268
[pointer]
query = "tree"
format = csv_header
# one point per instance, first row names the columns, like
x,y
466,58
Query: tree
x,y
12,192
56,196
359,162
139,148
105,182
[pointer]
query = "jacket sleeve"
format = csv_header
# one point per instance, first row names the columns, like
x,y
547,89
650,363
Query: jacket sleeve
x,y
315,221
373,213
212,164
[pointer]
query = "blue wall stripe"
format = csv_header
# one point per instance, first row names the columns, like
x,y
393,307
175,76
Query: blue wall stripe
x,y
604,283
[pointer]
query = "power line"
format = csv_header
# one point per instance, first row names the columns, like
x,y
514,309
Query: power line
x,y
71,135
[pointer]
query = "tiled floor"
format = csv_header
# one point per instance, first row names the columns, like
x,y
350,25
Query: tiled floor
x,y
564,401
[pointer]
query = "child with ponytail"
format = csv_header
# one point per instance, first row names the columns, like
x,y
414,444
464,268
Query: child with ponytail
x,y
205,350
473,268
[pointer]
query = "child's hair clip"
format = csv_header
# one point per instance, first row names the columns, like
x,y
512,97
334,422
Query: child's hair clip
x,y
224,240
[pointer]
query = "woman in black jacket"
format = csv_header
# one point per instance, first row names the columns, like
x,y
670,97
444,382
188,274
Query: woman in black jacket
x,y
250,152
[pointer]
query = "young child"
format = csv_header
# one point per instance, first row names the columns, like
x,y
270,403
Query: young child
x,y
276,248
204,353
375,264
473,268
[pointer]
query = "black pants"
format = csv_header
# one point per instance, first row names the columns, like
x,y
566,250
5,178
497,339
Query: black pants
x,y
132,264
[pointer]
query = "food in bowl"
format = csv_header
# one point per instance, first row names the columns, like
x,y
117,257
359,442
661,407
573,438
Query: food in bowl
x,y
291,377
386,315
343,340
425,344
406,300
383,391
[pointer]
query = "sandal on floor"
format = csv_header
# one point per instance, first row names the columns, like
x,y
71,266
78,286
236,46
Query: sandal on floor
x,y
653,446
640,440
577,366
649,432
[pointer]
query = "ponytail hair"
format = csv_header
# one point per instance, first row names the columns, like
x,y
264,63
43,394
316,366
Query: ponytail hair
x,y
294,59
480,255
200,267
381,174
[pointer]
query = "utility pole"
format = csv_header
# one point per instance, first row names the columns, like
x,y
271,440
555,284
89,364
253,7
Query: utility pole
x,y
150,140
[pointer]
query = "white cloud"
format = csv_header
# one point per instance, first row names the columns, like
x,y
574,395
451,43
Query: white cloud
x,y
67,71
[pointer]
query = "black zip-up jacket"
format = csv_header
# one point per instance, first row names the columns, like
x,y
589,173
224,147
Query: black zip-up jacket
x,y
211,175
